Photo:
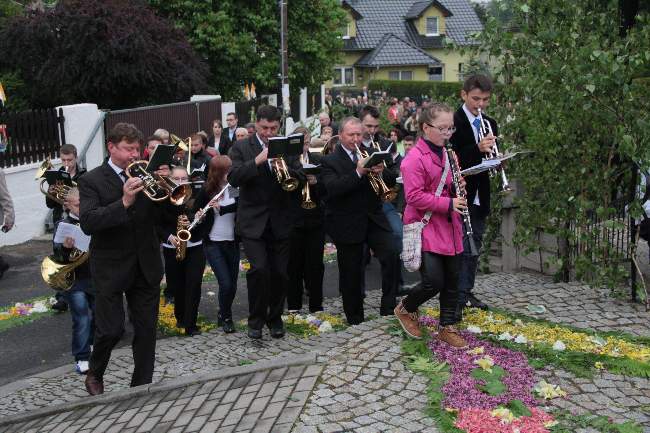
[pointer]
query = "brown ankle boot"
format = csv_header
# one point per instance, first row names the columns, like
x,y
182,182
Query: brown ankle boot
x,y
409,321
451,336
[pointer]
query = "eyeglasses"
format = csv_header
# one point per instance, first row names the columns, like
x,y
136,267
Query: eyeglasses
x,y
443,130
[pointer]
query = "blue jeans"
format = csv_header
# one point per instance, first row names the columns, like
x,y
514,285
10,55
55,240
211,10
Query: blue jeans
x,y
395,222
82,310
223,257
469,264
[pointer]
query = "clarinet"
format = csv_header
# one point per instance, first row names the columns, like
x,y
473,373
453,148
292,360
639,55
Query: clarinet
x,y
455,174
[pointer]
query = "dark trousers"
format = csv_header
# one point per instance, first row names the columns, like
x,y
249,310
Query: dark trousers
x,y
142,300
306,268
469,263
185,279
223,257
267,279
82,306
350,258
439,275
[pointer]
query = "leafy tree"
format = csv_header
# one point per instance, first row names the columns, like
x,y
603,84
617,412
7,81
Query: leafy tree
x,y
116,53
240,40
570,95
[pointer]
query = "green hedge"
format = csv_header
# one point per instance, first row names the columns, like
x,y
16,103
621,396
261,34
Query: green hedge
x,y
435,90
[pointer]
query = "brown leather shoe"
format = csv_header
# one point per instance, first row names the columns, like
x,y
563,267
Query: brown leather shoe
x,y
409,321
94,386
451,336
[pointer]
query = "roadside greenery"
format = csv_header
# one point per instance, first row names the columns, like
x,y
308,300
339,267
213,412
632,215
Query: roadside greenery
x,y
571,96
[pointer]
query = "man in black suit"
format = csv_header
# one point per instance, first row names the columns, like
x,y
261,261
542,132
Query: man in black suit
x,y
124,257
476,93
229,132
264,222
354,217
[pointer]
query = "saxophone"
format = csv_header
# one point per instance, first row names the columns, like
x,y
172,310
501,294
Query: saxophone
x,y
182,223
455,174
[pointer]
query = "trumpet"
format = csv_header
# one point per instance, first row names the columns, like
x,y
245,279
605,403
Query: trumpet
x,y
377,182
184,234
484,131
281,171
157,187
307,202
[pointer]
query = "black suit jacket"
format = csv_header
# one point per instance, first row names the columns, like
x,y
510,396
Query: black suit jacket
x,y
469,155
350,202
224,142
122,239
310,218
261,198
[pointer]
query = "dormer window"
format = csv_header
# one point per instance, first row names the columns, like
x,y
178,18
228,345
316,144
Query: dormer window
x,y
432,26
346,31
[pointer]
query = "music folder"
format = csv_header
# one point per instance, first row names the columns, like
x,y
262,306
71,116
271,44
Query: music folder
x,y
54,176
311,169
290,145
162,155
377,158
489,164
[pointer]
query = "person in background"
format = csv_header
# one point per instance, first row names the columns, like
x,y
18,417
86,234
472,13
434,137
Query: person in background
x,y
397,146
152,142
163,134
217,141
241,133
220,244
200,158
250,127
326,133
7,215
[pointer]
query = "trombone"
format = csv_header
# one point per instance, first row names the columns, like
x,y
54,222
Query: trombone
x,y
376,181
307,202
484,131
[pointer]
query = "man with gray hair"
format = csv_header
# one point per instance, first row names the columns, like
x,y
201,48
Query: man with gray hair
x,y
7,215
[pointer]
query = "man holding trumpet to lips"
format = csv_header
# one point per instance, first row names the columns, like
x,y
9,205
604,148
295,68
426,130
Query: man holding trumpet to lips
x,y
124,257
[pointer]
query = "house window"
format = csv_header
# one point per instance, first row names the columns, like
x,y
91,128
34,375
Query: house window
x,y
461,74
346,31
400,75
435,73
343,76
432,26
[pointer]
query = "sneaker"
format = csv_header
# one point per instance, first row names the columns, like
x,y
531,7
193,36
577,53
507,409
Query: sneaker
x,y
451,336
81,367
60,306
409,321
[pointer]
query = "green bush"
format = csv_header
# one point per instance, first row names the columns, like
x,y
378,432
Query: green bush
x,y
440,91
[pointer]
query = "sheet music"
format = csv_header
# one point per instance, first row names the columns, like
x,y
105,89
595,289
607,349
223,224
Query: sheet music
x,y
66,230
489,164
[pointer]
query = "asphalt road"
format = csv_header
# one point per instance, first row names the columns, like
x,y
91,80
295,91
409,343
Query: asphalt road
x,y
45,343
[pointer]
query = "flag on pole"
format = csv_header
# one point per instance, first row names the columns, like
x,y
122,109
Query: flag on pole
x,y
247,93
253,95
3,96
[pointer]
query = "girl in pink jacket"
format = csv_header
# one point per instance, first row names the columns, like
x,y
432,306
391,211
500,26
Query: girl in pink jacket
x,y
442,239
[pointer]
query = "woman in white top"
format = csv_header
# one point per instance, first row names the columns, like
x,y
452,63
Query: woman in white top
x,y
220,243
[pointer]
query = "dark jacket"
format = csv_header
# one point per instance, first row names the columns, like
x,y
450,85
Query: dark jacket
x,y
122,239
465,146
261,198
224,142
350,202
62,255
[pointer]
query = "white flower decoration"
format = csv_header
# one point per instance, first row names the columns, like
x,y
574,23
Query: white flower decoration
x,y
505,336
559,345
521,339
474,329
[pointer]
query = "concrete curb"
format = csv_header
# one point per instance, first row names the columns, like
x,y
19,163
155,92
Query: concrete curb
x,y
185,381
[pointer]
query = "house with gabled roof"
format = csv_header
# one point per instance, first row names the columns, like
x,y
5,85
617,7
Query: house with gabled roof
x,y
404,40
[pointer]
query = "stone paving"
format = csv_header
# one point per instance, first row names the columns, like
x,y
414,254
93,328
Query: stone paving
x,y
364,386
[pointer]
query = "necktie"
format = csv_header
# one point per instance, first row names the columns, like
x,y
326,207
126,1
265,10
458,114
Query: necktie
x,y
477,125
123,176
355,158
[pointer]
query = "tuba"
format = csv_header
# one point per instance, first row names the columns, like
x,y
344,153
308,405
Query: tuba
x,y
307,202
377,182
60,276
484,131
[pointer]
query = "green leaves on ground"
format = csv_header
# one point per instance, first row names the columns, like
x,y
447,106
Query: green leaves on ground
x,y
493,384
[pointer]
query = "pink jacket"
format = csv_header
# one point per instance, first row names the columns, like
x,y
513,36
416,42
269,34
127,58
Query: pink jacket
x,y
421,172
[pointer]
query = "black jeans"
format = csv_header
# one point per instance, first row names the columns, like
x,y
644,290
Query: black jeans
x,y
439,275
306,265
468,263
184,278
267,279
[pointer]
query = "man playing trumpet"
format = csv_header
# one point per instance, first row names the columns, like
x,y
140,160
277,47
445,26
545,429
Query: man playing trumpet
x,y
354,217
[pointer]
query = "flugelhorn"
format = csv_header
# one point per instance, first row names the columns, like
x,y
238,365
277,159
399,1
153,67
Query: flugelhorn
x,y
484,131
281,171
185,234
157,187
377,182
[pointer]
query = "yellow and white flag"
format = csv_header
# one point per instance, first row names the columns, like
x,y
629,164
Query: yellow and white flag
x,y
253,95
247,93
3,96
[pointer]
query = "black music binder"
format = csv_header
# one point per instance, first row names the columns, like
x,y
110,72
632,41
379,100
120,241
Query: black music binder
x,y
286,146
